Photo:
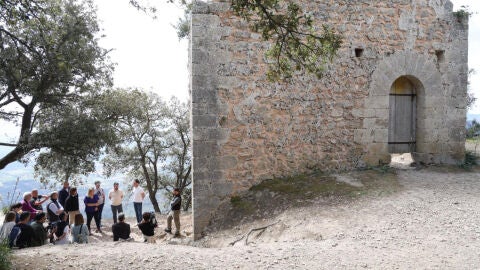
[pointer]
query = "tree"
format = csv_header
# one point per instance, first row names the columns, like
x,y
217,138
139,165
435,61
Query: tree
x,y
141,129
49,61
179,161
298,44
80,131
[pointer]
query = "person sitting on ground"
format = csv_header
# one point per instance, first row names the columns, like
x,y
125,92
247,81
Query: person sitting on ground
x,y
62,232
21,235
7,225
79,230
54,208
17,208
37,200
40,234
26,206
147,228
121,229
71,205
174,213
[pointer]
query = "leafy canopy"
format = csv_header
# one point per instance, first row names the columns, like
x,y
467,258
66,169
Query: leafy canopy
x,y
50,61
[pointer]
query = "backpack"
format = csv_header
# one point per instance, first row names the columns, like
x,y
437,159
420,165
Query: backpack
x,y
12,238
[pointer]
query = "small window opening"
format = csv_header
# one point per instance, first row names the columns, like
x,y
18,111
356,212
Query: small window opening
x,y
358,52
440,56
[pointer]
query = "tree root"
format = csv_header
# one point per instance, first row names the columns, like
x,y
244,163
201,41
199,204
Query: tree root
x,y
251,231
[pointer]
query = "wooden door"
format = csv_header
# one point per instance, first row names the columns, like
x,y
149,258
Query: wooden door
x,y
402,124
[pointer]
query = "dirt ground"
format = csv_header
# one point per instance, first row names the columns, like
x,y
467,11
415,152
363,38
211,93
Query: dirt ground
x,y
429,220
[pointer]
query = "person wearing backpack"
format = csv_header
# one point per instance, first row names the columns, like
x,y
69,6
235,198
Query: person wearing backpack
x,y
21,235
79,230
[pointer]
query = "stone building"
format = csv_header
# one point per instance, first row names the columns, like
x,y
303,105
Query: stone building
x,y
397,85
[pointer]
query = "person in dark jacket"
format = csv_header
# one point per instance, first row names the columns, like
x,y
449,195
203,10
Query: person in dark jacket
x,y
25,237
54,208
174,213
71,205
40,234
63,193
121,230
147,227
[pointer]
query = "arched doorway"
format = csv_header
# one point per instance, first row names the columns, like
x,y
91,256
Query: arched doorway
x,y
403,120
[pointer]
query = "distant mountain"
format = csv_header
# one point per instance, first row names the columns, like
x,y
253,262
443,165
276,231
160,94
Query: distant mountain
x,y
471,117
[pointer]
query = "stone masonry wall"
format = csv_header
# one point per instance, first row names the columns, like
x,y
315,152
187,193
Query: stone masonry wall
x,y
246,129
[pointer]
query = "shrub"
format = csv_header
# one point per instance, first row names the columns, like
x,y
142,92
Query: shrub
x,y
5,256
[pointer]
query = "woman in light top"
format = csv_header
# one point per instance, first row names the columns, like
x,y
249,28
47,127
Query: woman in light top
x,y
63,230
7,225
91,208
79,230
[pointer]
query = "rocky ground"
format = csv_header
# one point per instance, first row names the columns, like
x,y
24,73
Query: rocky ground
x,y
402,219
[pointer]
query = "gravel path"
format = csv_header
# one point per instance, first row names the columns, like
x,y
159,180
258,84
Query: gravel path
x,y
433,223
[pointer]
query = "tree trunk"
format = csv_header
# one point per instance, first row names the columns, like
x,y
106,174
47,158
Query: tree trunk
x,y
187,203
154,201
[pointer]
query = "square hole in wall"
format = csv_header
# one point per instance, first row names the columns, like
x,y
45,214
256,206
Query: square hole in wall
x,y
440,56
358,52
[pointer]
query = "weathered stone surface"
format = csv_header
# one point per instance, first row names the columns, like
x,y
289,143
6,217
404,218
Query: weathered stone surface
x,y
246,129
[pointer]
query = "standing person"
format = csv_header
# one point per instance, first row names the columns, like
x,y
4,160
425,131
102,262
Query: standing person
x,y
21,235
174,213
138,196
54,208
26,206
116,196
63,193
91,208
7,225
71,205
121,230
101,201
37,200
79,230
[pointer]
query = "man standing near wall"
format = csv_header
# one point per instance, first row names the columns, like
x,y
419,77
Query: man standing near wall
x,y
116,196
174,213
138,196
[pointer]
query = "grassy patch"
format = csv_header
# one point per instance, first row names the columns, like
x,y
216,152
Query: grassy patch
x,y
321,185
5,256
469,161
242,205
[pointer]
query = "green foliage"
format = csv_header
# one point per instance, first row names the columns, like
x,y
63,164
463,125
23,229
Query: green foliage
x,y
297,43
462,13
471,159
50,60
152,140
5,256
473,129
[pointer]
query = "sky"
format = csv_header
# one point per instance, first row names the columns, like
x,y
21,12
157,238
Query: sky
x,y
150,56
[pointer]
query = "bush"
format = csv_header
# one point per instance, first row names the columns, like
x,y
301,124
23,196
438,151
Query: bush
x,y
470,160
5,256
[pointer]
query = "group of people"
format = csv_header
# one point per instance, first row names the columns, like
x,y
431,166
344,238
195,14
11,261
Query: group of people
x,y
26,225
